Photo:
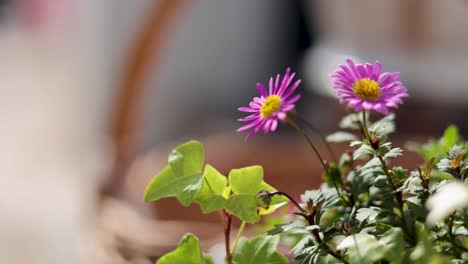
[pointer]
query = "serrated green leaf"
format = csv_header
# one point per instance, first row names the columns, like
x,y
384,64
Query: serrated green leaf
x,y
259,250
363,151
244,206
168,184
246,180
362,248
187,159
341,136
351,121
188,252
394,245
370,214
210,198
393,153
281,228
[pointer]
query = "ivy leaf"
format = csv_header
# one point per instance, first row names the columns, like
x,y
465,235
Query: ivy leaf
x,y
183,176
246,180
168,184
188,252
244,206
259,250
210,198
341,136
187,159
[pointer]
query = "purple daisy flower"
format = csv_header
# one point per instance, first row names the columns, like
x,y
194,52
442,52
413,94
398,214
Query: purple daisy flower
x,y
270,107
365,86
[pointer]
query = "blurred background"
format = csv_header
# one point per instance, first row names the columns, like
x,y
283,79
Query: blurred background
x,y
94,95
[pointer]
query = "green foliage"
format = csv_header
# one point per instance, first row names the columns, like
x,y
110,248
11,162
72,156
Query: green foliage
x,y
182,178
243,206
169,184
246,180
188,252
259,250
439,148
211,196
366,211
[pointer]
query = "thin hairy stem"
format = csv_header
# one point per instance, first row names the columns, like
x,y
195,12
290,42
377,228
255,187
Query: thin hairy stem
x,y
321,135
290,199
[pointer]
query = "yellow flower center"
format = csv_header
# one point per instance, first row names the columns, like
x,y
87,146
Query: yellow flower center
x,y
271,105
367,89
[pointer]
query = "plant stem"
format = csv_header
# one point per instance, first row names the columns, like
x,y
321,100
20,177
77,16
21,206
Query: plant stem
x,y
290,199
227,234
364,126
241,229
301,131
322,137
398,197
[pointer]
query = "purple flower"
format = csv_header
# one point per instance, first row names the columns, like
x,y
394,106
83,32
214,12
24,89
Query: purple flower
x,y
270,106
365,86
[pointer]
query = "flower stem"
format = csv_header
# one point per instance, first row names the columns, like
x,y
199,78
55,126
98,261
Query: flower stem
x,y
321,135
239,233
398,196
364,126
301,131
290,198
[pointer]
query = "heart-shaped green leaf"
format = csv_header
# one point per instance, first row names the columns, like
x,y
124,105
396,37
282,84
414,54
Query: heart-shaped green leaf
x,y
187,159
244,206
246,180
210,198
188,252
167,184
182,178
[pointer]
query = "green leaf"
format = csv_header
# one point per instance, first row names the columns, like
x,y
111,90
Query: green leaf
x,y
394,245
168,184
393,153
188,252
281,228
451,136
362,248
187,159
183,176
364,150
210,198
246,180
259,250
341,136
369,214
244,206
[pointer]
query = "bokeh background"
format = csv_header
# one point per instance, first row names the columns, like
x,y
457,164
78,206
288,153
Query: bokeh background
x,y
94,94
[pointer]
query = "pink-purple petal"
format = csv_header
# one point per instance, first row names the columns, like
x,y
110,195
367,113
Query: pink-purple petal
x,y
255,121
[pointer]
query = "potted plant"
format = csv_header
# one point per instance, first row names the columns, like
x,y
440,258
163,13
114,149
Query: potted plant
x,y
366,211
